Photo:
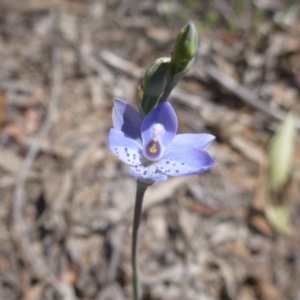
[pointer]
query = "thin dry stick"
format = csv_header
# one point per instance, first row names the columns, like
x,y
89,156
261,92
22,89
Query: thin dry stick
x,y
243,94
19,198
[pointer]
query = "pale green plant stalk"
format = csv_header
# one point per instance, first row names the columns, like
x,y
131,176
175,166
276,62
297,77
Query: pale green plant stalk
x,y
136,280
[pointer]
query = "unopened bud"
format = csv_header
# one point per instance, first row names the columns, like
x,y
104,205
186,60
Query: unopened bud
x,y
154,84
184,53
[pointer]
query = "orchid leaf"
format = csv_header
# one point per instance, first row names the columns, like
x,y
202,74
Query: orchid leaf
x,y
280,153
279,218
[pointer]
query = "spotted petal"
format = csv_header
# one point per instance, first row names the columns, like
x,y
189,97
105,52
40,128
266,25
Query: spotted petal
x,y
127,119
191,141
161,123
147,173
183,162
126,149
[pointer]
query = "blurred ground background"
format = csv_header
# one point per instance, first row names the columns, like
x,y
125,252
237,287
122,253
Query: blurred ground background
x,y
67,203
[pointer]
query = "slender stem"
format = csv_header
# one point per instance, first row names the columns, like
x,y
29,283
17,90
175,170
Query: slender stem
x,y
167,92
140,191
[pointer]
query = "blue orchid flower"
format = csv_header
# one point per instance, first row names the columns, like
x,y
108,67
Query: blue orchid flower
x,y
151,147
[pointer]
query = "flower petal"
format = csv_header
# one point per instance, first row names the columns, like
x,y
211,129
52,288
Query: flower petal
x,y
183,162
126,149
127,119
161,124
191,140
147,173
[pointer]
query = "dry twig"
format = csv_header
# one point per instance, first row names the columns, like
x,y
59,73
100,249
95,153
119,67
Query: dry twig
x,y
243,94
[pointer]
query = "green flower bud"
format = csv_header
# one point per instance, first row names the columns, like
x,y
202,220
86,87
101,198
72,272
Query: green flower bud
x,y
185,50
154,84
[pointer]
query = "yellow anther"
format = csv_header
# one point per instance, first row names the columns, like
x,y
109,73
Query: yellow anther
x,y
153,147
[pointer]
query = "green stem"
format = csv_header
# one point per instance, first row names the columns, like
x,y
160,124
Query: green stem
x,y
140,191
167,92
